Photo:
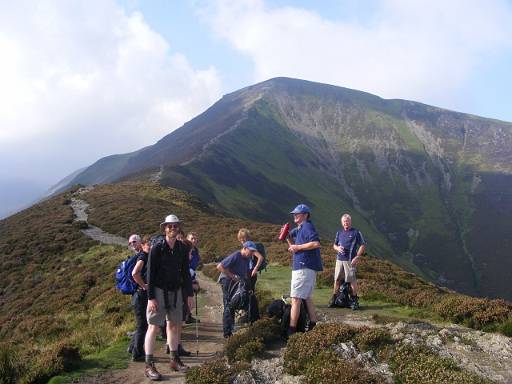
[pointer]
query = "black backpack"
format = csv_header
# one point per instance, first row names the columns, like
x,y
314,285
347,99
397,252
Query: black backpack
x,y
239,294
281,311
344,297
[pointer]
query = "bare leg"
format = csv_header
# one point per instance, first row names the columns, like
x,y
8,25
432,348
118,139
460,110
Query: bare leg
x,y
149,341
295,311
311,310
354,287
173,335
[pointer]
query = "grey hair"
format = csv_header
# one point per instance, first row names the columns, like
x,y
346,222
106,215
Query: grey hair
x,y
346,216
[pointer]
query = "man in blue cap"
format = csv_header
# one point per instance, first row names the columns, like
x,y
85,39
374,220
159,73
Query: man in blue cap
x,y
233,269
306,263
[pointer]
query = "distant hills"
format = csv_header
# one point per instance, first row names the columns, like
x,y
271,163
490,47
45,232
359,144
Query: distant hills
x,y
431,189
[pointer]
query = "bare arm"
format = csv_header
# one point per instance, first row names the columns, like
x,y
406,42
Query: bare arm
x,y
226,271
360,252
259,256
304,247
137,276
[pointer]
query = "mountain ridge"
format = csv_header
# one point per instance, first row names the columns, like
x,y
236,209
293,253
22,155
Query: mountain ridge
x,y
414,177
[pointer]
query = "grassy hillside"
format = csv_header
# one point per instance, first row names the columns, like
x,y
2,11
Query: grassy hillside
x,y
58,304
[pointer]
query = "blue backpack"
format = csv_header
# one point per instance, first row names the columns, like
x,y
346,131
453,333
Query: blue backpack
x,y
124,279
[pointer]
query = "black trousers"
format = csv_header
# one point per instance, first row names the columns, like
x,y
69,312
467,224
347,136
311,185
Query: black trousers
x,y
140,303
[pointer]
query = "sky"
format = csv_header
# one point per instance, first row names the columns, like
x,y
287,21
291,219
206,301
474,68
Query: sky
x,y
84,79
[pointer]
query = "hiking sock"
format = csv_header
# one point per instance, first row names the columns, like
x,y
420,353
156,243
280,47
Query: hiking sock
x,y
311,325
149,359
292,330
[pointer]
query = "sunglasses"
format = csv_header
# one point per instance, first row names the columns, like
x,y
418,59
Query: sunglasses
x,y
172,225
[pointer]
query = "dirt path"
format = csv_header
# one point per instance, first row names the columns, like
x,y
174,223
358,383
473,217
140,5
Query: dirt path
x,y
80,210
208,344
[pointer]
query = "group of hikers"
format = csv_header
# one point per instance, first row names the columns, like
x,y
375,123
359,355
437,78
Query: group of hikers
x,y
165,273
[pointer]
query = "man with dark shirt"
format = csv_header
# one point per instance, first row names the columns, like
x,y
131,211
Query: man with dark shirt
x,y
194,260
140,297
350,245
306,263
167,276
232,269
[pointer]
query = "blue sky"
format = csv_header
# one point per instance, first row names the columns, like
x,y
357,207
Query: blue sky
x,y
86,79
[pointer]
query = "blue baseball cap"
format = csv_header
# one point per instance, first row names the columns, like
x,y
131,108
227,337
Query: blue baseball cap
x,y
301,208
250,245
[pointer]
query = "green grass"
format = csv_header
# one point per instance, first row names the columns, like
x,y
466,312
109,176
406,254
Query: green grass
x,y
113,357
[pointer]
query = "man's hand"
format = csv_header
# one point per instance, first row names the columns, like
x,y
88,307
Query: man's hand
x,y
152,305
293,248
254,272
190,302
356,260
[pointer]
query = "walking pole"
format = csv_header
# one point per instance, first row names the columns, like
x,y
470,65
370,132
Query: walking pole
x,y
197,329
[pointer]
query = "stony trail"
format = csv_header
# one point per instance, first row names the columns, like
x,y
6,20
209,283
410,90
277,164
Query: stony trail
x,y
80,210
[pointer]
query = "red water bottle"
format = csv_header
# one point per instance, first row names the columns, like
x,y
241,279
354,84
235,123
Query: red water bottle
x,y
283,234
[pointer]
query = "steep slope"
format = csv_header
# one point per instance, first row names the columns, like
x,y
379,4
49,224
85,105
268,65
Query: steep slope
x,y
424,184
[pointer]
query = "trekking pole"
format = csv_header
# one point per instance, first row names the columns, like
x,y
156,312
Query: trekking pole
x,y
197,329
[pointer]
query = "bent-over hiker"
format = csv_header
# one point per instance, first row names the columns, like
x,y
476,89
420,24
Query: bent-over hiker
x,y
306,263
233,269
140,297
167,276
350,246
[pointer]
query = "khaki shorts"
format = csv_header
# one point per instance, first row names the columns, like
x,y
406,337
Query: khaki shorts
x,y
347,269
303,282
173,314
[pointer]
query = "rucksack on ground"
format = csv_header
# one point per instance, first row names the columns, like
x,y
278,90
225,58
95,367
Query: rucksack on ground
x,y
344,296
280,309
124,280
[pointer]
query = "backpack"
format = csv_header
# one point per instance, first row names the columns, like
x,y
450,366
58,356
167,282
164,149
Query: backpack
x,y
344,296
124,279
261,250
281,311
239,294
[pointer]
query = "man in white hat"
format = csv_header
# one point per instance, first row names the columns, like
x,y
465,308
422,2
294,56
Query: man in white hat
x,y
167,276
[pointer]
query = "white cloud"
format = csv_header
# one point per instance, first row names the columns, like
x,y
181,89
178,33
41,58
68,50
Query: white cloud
x,y
80,80
420,50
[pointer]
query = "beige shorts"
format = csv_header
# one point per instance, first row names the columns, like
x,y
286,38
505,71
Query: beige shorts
x,y
303,283
173,314
347,269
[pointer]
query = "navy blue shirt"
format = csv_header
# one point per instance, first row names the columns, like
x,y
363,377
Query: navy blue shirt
x,y
306,259
236,264
194,261
350,240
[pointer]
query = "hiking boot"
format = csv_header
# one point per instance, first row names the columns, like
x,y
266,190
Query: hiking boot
x,y
177,365
191,320
151,372
167,350
355,303
182,351
332,302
